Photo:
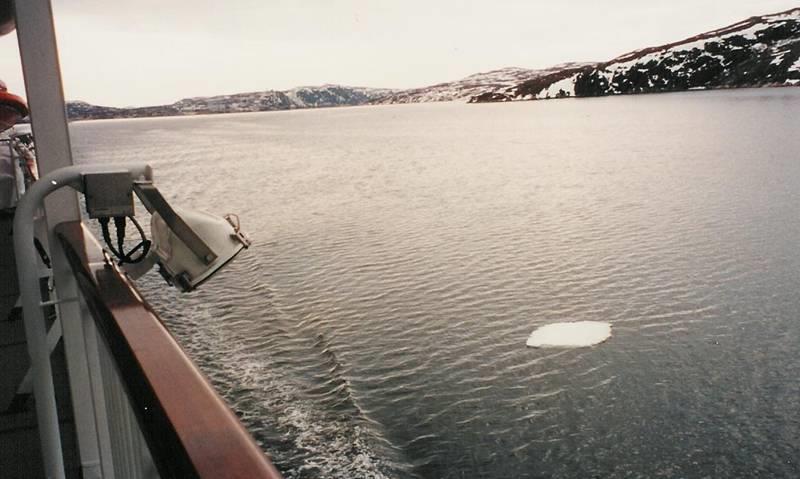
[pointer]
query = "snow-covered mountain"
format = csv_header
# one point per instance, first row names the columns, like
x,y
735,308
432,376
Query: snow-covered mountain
x,y
238,102
759,51
81,110
334,95
300,97
268,100
472,85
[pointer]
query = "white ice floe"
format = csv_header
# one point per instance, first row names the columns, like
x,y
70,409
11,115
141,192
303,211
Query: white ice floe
x,y
570,335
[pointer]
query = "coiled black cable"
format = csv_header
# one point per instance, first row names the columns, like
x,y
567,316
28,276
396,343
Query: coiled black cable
x,y
119,251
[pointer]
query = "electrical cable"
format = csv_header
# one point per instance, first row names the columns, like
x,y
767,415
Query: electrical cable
x,y
107,235
144,244
119,251
42,253
119,225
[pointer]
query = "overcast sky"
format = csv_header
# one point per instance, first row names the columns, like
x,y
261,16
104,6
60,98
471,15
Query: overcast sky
x,y
147,52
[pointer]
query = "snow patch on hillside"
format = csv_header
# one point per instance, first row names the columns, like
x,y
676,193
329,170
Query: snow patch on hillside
x,y
560,89
491,81
759,51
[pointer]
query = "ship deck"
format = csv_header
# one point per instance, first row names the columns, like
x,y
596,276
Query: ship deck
x,y
20,453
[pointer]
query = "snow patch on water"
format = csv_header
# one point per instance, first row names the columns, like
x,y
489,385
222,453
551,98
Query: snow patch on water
x,y
570,335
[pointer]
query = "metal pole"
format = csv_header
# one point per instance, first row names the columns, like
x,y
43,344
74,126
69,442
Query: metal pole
x,y
40,63
39,55
35,331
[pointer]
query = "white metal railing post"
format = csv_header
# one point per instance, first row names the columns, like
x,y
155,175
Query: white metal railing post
x,y
40,64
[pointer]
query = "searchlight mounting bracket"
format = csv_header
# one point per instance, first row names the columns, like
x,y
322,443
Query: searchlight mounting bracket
x,y
155,203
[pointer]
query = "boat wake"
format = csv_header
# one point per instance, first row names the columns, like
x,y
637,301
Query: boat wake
x,y
287,385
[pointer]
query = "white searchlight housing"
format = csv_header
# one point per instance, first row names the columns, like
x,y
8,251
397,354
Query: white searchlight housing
x,y
189,246
180,266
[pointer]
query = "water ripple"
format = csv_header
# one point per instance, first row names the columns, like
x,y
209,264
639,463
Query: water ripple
x,y
402,256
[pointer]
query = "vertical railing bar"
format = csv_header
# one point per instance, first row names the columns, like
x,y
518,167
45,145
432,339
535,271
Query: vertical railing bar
x,y
132,459
97,392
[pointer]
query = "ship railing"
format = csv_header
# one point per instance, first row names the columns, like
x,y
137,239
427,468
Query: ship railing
x,y
156,414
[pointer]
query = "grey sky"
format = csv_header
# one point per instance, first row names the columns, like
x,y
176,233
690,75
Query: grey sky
x,y
153,51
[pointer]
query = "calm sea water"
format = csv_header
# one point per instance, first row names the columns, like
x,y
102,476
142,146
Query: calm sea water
x,y
403,254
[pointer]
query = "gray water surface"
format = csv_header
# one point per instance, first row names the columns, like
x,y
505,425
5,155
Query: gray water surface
x,y
403,254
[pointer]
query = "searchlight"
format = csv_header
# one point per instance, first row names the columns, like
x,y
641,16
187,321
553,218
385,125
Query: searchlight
x,y
188,246
179,261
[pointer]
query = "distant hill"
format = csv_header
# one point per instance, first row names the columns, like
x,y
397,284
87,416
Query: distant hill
x,y
269,100
472,85
759,51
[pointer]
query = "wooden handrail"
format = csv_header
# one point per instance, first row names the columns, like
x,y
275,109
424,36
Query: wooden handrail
x,y
189,429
